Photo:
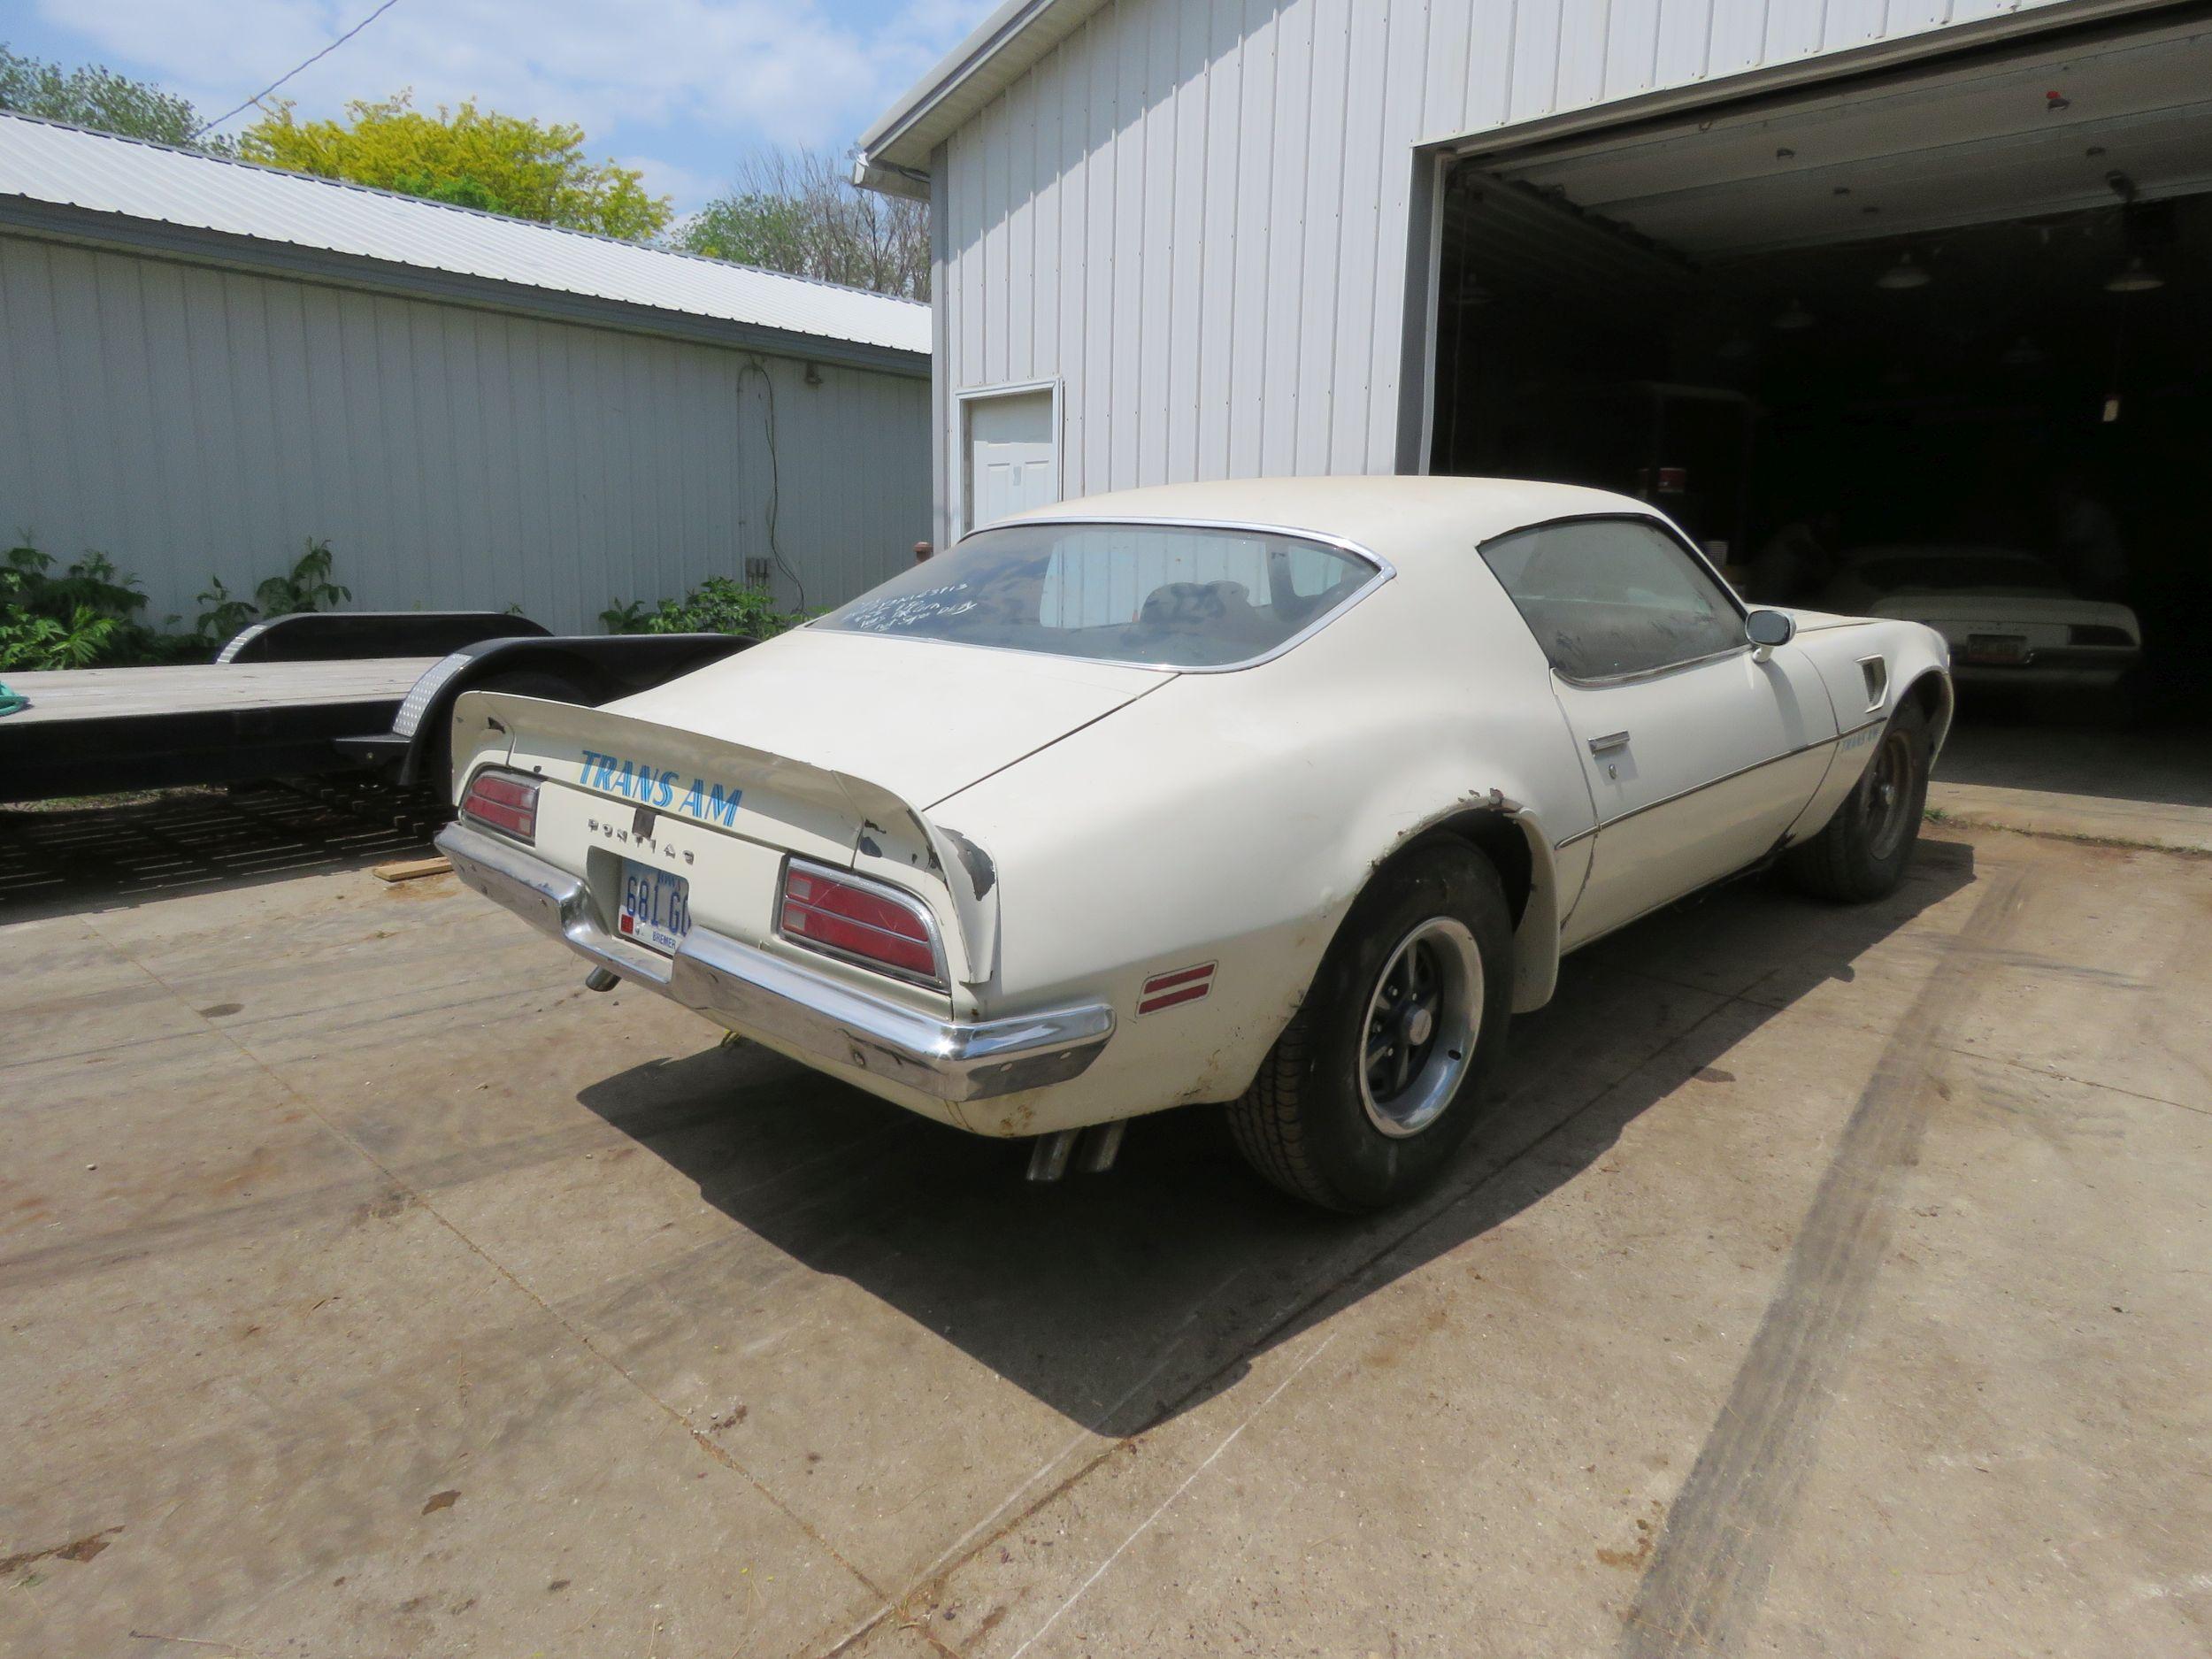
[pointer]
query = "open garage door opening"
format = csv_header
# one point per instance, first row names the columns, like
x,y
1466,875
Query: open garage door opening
x,y
1939,341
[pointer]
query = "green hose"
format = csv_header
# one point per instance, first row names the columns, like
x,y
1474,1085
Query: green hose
x,y
10,701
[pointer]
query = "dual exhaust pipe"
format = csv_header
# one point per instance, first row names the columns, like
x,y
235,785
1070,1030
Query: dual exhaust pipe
x,y
1050,1156
1099,1145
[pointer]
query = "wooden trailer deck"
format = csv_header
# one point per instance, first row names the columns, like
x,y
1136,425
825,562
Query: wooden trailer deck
x,y
91,731
127,694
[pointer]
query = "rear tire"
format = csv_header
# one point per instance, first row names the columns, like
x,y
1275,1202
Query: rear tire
x,y
1373,1084
1861,853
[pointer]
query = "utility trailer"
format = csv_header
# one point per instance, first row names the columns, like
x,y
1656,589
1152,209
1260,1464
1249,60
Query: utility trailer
x,y
318,692
591,669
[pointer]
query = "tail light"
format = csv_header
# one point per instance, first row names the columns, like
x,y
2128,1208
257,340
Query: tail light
x,y
2098,633
858,920
504,801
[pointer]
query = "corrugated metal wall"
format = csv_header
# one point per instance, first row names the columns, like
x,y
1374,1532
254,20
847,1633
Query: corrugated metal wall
x,y
191,422
1196,212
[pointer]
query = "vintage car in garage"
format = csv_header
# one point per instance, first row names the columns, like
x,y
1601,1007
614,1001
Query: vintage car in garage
x,y
2008,618
1279,796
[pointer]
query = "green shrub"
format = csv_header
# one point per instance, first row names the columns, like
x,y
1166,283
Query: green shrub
x,y
720,604
222,613
88,616
305,586
85,618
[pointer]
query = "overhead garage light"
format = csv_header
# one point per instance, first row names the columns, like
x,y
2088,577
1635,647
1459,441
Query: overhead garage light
x,y
1908,273
1795,317
2134,276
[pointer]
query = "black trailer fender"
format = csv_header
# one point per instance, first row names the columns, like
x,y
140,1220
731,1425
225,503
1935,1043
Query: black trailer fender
x,y
318,636
587,669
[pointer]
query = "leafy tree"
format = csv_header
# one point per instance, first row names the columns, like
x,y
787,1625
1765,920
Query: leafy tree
x,y
92,95
797,210
471,157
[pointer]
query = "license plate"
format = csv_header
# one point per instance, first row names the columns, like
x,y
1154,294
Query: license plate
x,y
655,906
1996,647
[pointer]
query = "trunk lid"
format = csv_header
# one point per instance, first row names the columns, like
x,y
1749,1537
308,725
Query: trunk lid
x,y
924,720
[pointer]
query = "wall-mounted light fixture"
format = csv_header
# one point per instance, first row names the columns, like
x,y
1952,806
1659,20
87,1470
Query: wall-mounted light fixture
x,y
2134,276
1908,273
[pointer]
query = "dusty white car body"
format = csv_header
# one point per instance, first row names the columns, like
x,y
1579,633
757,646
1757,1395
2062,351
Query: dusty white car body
x,y
1133,872
2006,617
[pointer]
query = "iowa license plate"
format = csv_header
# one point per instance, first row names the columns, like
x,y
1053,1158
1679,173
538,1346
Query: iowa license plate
x,y
1996,647
655,906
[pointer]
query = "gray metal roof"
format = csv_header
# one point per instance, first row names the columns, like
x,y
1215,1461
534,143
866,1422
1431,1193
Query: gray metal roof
x,y
47,166
894,152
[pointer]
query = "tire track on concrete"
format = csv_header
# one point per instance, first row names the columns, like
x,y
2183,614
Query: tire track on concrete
x,y
1306,1303
1708,1578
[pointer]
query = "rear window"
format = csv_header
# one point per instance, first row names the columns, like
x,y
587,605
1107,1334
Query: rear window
x,y
1161,595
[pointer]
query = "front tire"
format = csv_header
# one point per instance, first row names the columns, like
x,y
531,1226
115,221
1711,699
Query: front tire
x,y
1861,853
1373,1084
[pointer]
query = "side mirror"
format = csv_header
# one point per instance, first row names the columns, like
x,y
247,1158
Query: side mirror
x,y
1767,629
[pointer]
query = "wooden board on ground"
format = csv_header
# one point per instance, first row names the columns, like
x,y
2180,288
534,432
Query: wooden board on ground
x,y
412,869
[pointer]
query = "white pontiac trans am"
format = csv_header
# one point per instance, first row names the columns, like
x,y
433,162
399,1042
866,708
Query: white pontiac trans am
x,y
2007,619
1283,794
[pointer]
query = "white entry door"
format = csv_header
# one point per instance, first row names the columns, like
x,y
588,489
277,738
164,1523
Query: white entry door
x,y
1013,455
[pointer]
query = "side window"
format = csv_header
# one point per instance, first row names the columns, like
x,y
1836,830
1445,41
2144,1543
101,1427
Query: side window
x,y
1610,596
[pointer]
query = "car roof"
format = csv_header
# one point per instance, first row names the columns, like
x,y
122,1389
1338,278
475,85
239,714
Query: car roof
x,y
1401,518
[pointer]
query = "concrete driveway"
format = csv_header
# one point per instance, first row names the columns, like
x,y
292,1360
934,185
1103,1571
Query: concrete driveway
x,y
1827,1281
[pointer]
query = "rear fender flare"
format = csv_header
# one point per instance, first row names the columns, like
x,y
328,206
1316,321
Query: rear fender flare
x,y
1509,836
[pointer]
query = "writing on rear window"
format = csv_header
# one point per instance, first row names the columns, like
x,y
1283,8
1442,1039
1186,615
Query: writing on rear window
x,y
642,781
907,610
1157,595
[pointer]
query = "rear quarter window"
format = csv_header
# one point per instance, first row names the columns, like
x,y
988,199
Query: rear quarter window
x,y
1607,597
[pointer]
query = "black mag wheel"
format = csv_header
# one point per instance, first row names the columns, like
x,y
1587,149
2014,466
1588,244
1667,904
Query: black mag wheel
x,y
1422,1022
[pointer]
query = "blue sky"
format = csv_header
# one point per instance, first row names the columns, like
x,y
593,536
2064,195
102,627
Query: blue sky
x,y
679,89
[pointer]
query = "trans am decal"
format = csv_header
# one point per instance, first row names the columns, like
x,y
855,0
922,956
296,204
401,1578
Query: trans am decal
x,y
640,781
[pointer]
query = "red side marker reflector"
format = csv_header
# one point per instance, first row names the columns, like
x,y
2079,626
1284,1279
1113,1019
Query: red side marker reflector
x,y
1183,985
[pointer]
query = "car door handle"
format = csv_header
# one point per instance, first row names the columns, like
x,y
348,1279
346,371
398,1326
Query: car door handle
x,y
1610,742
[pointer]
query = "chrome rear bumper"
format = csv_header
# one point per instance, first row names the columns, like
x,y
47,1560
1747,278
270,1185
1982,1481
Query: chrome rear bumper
x,y
745,987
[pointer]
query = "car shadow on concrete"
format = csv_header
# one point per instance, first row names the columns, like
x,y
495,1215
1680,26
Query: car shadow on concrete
x,y
1123,1299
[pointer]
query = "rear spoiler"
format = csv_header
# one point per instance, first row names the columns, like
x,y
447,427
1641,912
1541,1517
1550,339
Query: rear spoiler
x,y
781,802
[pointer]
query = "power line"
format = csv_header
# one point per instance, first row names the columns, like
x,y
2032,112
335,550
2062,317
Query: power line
x,y
289,73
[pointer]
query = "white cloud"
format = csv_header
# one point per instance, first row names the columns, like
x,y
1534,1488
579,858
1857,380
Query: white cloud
x,y
690,188
788,72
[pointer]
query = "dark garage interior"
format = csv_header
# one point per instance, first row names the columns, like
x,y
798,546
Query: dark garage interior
x,y
1962,307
